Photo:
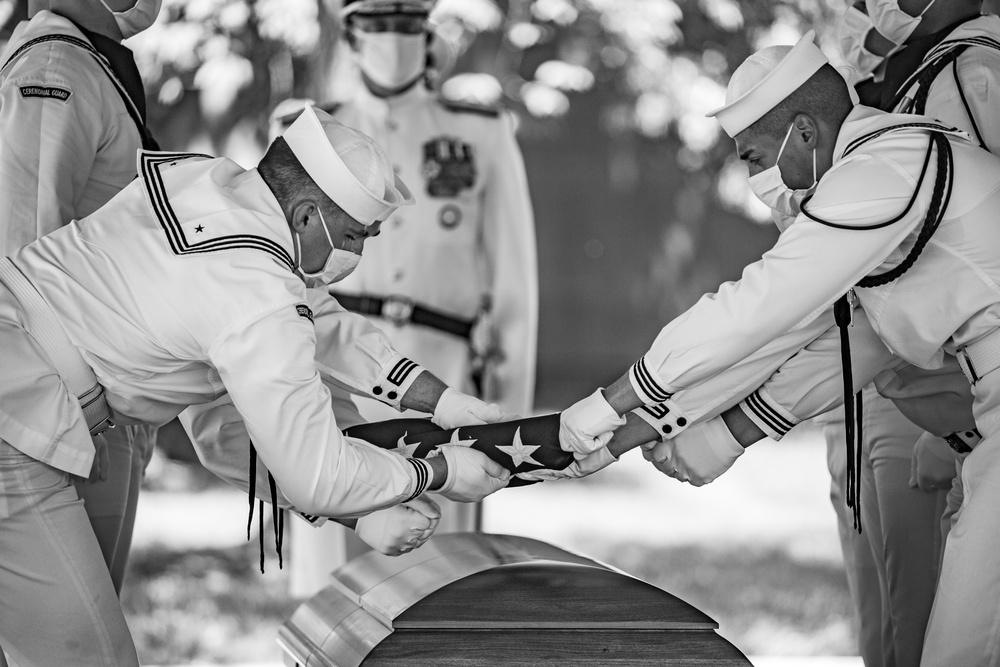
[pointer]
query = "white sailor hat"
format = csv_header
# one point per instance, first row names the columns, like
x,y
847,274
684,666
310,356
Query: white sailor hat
x,y
347,165
765,79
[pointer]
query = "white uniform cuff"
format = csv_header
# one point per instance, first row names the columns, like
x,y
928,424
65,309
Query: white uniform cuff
x,y
773,419
666,418
395,379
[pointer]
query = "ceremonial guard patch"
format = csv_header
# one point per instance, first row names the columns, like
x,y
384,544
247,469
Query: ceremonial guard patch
x,y
53,92
304,311
449,166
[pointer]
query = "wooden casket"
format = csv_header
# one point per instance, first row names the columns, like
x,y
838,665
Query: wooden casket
x,y
472,599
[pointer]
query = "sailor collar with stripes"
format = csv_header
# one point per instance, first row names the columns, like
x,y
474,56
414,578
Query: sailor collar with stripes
x,y
207,204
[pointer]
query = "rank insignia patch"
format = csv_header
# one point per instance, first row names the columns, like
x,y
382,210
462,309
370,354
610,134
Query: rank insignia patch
x,y
449,166
53,92
304,311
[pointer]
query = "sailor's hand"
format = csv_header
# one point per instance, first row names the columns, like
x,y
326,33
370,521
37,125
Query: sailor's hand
x,y
400,529
588,425
456,409
588,465
471,474
932,465
697,455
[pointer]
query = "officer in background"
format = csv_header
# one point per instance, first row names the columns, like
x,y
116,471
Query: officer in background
x,y
452,280
72,117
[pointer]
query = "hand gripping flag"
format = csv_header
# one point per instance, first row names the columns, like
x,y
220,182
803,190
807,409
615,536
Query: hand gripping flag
x,y
519,446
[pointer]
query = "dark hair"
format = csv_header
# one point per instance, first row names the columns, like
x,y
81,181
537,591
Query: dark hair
x,y
284,175
824,97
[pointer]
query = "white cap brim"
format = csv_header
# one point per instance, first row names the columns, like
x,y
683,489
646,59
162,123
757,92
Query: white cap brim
x,y
308,141
798,65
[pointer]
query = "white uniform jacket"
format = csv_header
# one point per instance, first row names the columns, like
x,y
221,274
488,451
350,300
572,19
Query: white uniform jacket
x,y
470,234
182,288
919,316
67,142
353,357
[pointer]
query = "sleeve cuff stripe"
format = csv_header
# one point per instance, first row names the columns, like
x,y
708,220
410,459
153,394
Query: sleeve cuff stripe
x,y
657,411
399,372
767,414
647,383
423,477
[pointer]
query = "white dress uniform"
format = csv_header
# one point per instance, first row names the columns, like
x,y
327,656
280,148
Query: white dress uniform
x,y
470,235
67,145
353,357
947,300
179,289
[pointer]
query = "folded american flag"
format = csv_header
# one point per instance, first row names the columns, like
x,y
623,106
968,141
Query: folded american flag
x,y
519,446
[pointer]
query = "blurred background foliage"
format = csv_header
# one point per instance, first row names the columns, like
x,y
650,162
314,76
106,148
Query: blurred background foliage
x,y
641,206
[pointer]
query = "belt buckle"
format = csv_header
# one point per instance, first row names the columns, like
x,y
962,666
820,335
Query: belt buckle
x,y
397,309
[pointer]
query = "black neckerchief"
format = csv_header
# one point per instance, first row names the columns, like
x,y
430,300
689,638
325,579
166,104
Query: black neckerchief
x,y
908,59
122,63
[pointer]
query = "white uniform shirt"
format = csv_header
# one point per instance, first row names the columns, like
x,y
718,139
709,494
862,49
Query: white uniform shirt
x,y
352,356
182,288
918,316
471,233
67,142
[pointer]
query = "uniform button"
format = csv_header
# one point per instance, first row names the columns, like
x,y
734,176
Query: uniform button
x,y
668,428
398,275
391,395
681,421
397,222
377,390
392,125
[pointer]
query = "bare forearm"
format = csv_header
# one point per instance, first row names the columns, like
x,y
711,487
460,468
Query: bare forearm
x,y
742,427
424,393
634,433
621,396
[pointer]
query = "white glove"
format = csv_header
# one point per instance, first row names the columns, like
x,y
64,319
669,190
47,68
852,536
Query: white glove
x,y
588,425
399,529
471,474
456,409
697,455
932,466
588,465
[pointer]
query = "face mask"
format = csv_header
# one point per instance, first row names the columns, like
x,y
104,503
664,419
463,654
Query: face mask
x,y
770,188
339,263
892,22
852,32
390,59
133,21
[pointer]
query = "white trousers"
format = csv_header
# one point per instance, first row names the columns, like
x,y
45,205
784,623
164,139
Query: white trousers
x,y
964,627
58,605
859,560
903,526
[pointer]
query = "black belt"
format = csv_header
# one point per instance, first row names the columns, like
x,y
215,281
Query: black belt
x,y
400,310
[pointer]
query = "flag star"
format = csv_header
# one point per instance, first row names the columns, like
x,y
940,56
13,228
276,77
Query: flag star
x,y
455,440
520,452
404,448
199,228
